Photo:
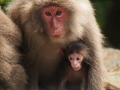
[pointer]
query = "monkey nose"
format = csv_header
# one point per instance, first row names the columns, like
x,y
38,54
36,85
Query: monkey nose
x,y
54,25
75,64
55,28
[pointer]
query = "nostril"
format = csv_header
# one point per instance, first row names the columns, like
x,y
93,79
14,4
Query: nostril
x,y
74,64
55,27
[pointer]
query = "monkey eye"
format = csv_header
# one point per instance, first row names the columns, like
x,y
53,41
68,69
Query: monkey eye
x,y
70,58
78,58
58,13
48,14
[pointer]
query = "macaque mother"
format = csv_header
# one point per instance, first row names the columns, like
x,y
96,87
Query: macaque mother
x,y
49,25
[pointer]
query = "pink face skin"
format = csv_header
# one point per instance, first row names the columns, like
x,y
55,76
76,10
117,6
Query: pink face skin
x,y
55,18
76,61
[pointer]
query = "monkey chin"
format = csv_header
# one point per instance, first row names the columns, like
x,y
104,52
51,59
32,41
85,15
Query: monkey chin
x,y
76,69
56,37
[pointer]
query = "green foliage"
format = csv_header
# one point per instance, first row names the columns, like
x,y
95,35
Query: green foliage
x,y
3,3
101,10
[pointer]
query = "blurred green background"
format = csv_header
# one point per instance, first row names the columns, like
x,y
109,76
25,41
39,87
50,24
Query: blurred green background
x,y
108,18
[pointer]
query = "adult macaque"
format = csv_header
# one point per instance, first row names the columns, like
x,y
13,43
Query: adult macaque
x,y
49,25
12,74
75,67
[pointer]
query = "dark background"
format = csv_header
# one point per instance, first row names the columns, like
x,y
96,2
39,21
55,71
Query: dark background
x,y
108,18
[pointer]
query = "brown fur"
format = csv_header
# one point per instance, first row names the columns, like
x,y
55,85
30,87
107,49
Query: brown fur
x,y
72,80
77,79
12,75
42,57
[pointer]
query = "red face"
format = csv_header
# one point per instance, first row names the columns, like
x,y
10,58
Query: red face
x,y
76,61
55,18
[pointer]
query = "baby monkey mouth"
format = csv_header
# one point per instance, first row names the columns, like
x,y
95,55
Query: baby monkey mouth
x,y
76,69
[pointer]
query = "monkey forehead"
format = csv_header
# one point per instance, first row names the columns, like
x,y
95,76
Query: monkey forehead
x,y
69,4
53,2
53,9
75,55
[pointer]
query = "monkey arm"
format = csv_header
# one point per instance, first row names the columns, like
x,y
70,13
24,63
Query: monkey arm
x,y
93,39
62,83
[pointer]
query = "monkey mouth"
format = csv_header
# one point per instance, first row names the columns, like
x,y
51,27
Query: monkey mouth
x,y
57,36
76,69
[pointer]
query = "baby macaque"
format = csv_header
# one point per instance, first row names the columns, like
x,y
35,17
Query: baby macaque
x,y
75,67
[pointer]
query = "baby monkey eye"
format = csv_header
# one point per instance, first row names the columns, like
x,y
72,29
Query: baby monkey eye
x,y
78,58
70,59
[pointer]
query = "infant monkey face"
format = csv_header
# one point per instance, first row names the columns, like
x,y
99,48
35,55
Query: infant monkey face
x,y
76,60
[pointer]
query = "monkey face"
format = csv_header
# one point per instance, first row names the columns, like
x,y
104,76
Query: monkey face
x,y
54,17
76,61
